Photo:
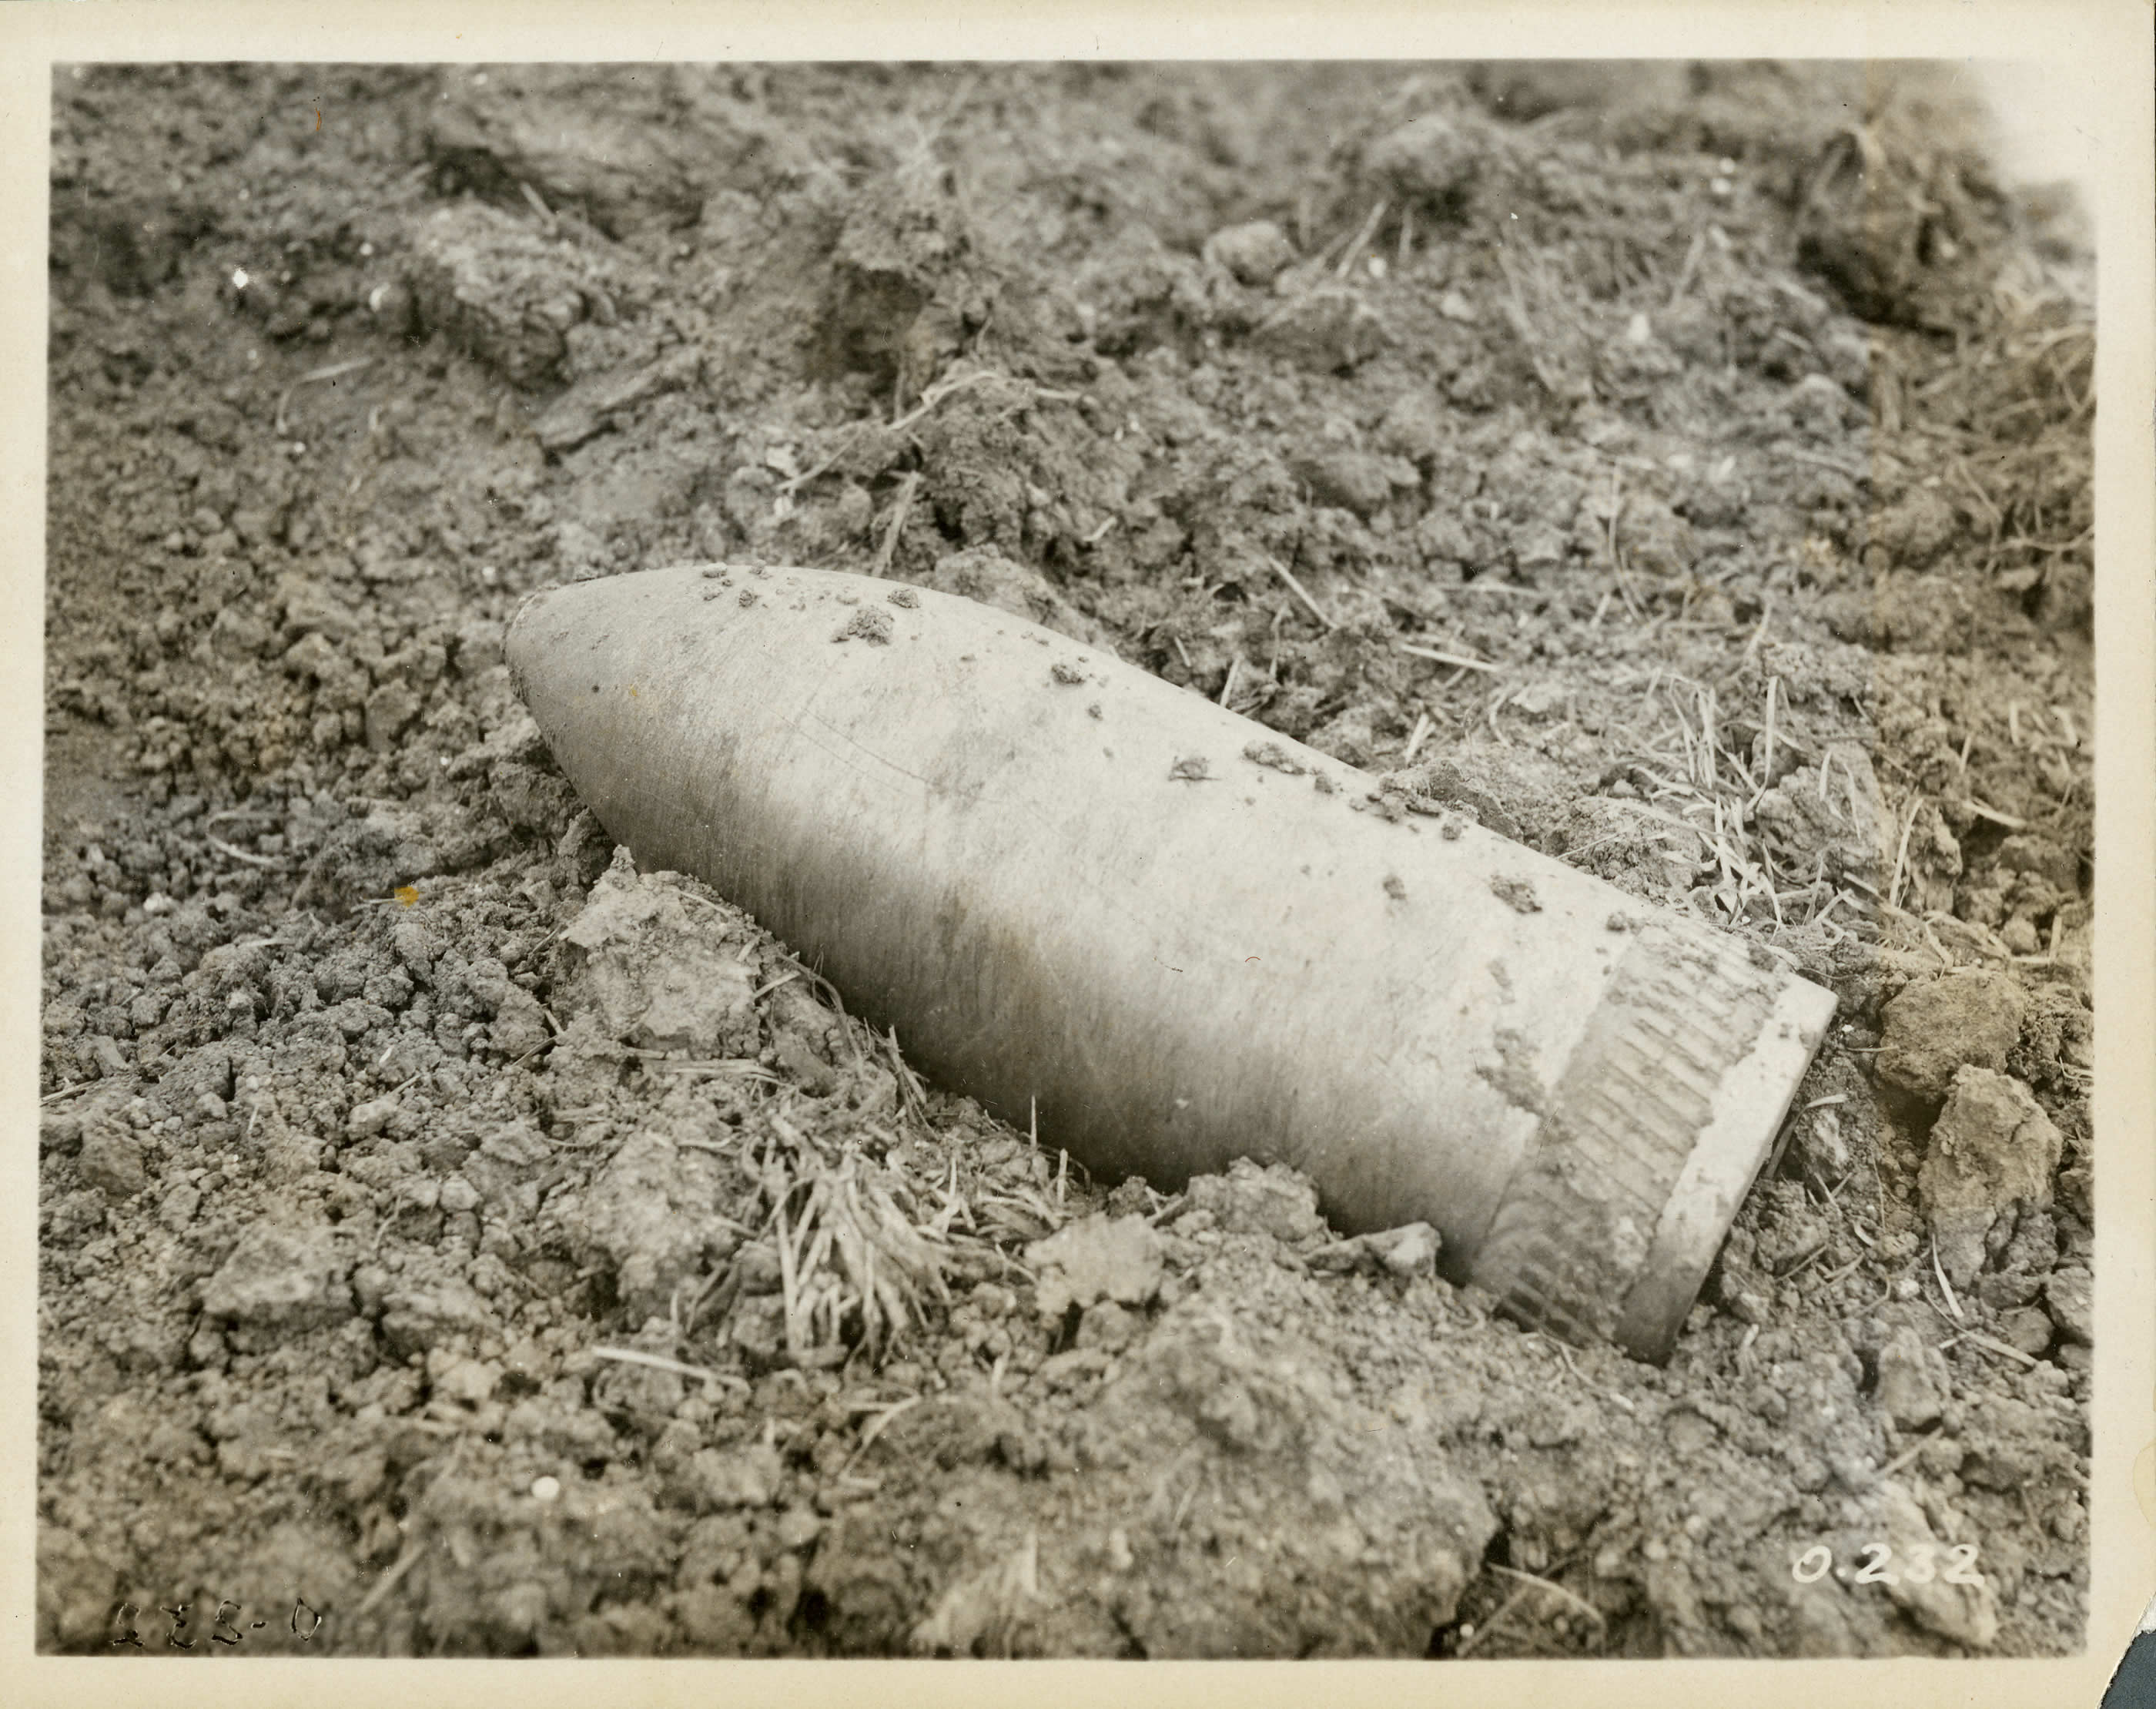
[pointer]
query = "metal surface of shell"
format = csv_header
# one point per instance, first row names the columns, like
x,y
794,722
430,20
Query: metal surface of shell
x,y
1070,883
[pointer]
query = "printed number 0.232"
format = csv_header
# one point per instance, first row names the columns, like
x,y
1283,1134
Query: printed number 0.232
x,y
1921,1565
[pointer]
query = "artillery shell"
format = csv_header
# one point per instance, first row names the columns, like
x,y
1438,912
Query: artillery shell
x,y
1079,889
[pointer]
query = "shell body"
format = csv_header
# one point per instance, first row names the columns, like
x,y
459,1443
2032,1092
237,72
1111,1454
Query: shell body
x,y
1180,937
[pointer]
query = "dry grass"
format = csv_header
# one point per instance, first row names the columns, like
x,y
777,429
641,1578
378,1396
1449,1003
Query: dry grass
x,y
1700,783
856,1269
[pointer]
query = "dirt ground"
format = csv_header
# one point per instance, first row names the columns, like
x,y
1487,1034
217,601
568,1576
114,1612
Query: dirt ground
x,y
455,1242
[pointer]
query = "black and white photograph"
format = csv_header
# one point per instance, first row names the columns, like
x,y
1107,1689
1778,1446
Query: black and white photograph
x,y
1072,856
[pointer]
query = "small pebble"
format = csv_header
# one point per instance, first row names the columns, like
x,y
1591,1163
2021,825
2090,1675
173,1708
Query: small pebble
x,y
457,1194
547,1489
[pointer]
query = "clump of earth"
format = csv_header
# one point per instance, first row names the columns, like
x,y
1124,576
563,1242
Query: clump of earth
x,y
491,1248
